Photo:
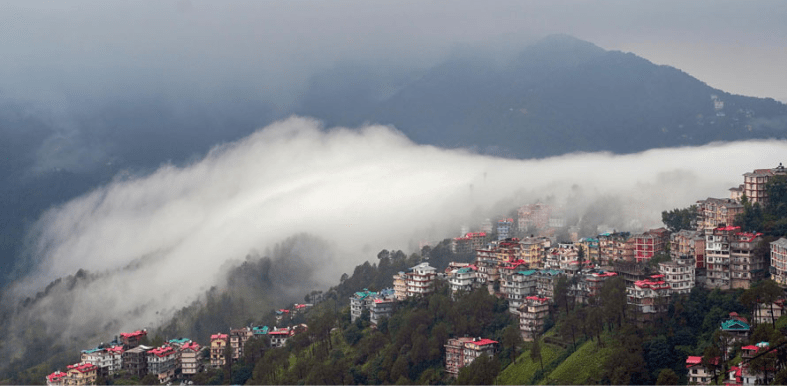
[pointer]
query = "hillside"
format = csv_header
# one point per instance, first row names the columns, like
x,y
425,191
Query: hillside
x,y
559,95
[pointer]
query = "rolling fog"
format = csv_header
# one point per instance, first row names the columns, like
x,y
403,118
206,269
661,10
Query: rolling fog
x,y
162,239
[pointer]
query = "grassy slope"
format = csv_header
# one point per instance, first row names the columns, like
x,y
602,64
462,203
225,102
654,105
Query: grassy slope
x,y
584,364
522,371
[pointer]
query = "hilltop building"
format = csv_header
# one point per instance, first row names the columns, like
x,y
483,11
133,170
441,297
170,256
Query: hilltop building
x,y
460,352
779,261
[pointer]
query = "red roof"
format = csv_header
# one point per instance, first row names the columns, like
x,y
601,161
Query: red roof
x,y
483,342
750,347
727,228
82,367
190,346
218,336
134,334
536,298
56,376
162,351
693,361
116,349
279,332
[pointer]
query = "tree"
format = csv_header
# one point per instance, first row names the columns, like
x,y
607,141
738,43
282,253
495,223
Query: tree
x,y
710,359
679,219
535,351
150,379
511,340
667,377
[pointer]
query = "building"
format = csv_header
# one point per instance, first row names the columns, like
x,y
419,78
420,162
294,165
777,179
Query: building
x,y
517,284
420,280
400,286
488,271
463,279
648,244
679,274
545,282
57,378
755,183
133,339
460,352
238,338
697,372
737,326
611,246
768,312
745,266
649,298
162,362
135,361
218,345
359,302
690,244
591,248
595,280
717,256
505,228
533,216
190,359
81,374
468,243
279,336
779,261
381,308
716,212
532,314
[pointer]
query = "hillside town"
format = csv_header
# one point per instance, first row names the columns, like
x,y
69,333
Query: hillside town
x,y
521,260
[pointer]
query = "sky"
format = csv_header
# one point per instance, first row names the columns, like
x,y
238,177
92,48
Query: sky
x,y
59,52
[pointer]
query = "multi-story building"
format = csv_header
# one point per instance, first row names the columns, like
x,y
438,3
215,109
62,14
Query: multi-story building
x,y
755,183
508,250
716,212
279,336
611,246
532,314
533,216
400,286
238,338
135,361
99,357
162,362
647,244
468,243
190,356
591,248
779,261
218,344
717,256
768,313
698,373
488,270
679,274
516,285
116,353
57,378
420,280
463,279
133,339
545,282
359,302
505,228
745,266
460,352
689,244
81,374
595,280
649,298
381,307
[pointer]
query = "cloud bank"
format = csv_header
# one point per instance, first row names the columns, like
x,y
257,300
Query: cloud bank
x,y
361,189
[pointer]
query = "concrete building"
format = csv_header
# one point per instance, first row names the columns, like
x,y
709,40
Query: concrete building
x,y
688,244
679,274
81,374
460,352
135,361
463,279
532,251
533,216
133,339
717,256
162,362
468,243
218,345
238,338
381,308
754,183
532,314
716,212
779,261
420,280
545,282
400,286
649,298
646,245
517,284
505,228
745,266
190,359
697,372
359,302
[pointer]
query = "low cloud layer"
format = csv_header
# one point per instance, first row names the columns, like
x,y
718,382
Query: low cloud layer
x,y
361,190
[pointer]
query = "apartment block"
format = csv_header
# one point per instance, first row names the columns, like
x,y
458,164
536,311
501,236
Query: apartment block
x,y
532,314
745,266
717,256
779,261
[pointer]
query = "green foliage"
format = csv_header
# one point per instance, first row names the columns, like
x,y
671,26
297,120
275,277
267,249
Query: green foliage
x,y
667,377
583,366
771,218
679,219
482,371
523,371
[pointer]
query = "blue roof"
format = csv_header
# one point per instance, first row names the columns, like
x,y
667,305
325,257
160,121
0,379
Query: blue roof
x,y
528,272
179,341
735,325
260,330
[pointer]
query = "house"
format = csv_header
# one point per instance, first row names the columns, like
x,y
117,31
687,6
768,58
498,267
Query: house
x,y
697,372
746,266
81,374
238,338
462,279
532,250
737,327
611,246
57,378
360,302
218,345
545,282
532,314
649,298
420,280
779,261
516,283
460,352
133,339
713,213
135,361
533,216
279,336
755,183
190,359
679,274
162,362
717,256
382,307
468,243
648,244
504,228
688,244
400,286
768,312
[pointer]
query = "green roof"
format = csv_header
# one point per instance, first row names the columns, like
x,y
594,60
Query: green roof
x,y
528,272
735,325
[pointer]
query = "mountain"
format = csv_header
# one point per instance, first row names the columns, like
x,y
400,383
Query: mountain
x,y
559,95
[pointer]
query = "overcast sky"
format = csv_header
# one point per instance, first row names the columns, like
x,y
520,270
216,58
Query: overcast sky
x,y
93,49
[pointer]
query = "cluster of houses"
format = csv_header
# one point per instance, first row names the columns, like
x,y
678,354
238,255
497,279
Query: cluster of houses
x,y
738,331
125,353
176,359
